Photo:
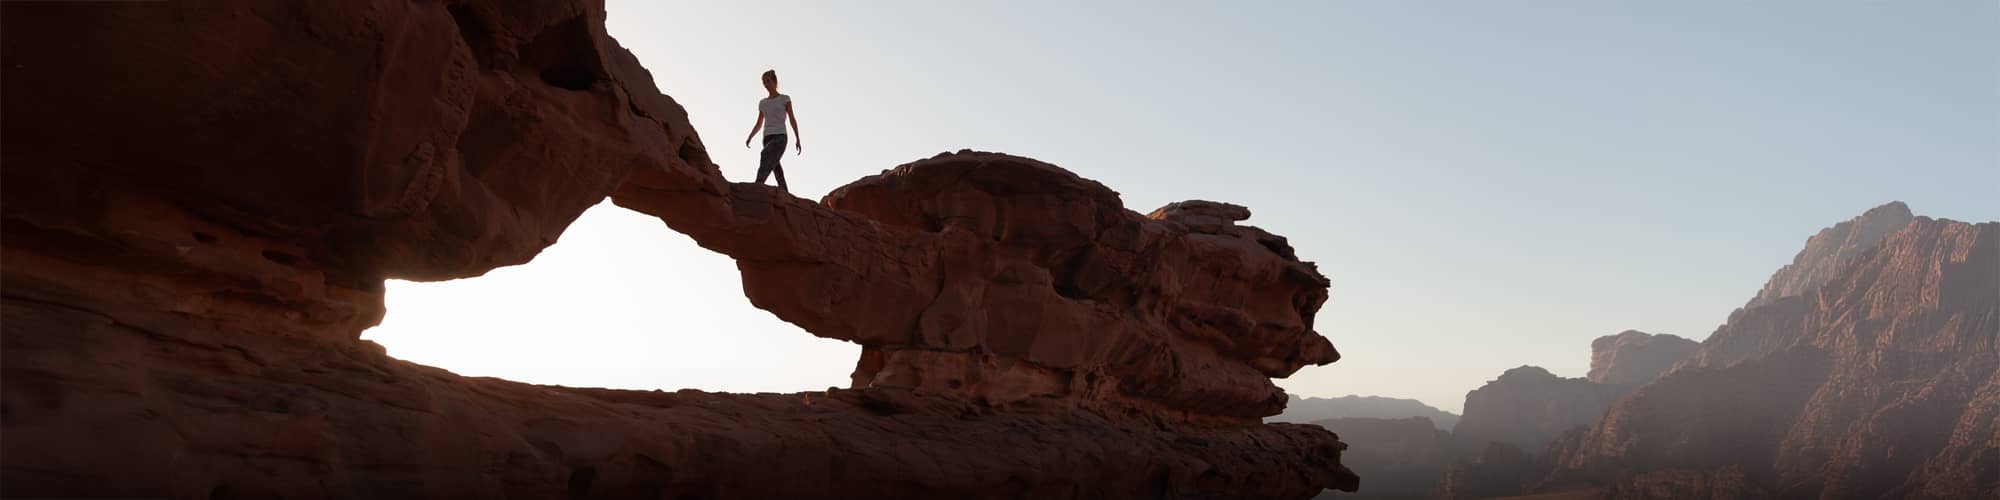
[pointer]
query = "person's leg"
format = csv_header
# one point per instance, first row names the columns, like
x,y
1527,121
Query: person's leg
x,y
767,161
774,151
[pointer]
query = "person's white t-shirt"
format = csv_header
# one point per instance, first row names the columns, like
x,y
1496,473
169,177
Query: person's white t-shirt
x,y
774,113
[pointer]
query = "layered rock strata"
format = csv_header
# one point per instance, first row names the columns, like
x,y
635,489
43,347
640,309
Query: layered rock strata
x,y
1878,382
1528,407
1403,458
1632,358
1006,278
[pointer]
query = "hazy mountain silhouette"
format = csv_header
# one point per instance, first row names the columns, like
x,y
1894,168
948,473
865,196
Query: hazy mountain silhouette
x,y
1306,410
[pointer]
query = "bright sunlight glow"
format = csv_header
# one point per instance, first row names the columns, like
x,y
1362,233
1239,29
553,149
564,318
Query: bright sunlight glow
x,y
619,301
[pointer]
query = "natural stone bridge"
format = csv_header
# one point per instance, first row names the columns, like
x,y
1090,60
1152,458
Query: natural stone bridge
x,y
203,199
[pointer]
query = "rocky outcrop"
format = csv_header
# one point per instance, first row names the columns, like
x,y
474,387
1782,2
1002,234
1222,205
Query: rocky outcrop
x,y
1528,407
1633,358
1306,410
1827,251
1877,382
120,410
1005,278
1402,458
202,201
1499,469
1502,446
1773,320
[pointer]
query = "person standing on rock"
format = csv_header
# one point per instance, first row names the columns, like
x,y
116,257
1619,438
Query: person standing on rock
x,y
772,112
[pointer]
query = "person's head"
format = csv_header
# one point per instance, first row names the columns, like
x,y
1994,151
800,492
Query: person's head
x,y
771,80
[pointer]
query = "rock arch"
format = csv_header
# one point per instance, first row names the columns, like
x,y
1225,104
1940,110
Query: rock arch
x,y
202,200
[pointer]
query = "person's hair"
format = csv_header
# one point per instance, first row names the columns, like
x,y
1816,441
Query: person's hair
x,y
770,75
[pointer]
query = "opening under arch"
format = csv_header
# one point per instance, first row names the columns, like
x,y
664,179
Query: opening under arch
x,y
621,301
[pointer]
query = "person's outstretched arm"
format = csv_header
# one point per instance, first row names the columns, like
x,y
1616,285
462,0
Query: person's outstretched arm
x,y
798,143
755,128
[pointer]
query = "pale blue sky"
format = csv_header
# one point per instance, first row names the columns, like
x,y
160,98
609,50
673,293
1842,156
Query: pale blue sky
x,y
1488,184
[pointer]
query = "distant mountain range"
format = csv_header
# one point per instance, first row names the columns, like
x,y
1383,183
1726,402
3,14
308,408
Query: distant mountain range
x,y
1868,368
1300,410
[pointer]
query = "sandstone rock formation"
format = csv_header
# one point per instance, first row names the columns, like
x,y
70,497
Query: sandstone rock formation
x,y
1499,469
1867,369
1308,410
1528,407
1401,458
1501,447
1828,250
202,201
1877,380
1633,358
976,273
1827,254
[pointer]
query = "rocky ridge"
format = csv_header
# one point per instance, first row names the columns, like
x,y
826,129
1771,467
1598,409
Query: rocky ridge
x,y
1632,358
1867,369
1842,390
1528,407
1306,410
1402,458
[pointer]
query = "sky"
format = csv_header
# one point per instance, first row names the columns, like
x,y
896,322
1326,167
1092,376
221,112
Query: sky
x,y
1487,184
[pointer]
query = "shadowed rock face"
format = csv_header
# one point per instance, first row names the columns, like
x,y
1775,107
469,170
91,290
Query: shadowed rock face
x,y
1512,431
202,200
1880,381
1632,358
1300,409
1005,278
1528,407
1403,458
1498,469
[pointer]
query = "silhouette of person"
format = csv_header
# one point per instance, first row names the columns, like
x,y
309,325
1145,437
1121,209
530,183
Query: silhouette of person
x,y
772,112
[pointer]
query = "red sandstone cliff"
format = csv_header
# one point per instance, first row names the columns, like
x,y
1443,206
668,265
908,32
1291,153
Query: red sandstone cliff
x,y
1825,256
1502,446
1878,381
1403,458
1870,368
1527,407
202,201
1826,251
1006,278
1632,358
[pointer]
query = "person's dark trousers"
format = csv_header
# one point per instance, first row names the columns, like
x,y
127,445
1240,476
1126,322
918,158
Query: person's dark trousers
x,y
774,148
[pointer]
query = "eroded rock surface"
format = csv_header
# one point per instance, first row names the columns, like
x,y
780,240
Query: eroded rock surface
x,y
1878,382
1867,369
202,201
1632,358
1402,458
1006,278
1528,407
1828,250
